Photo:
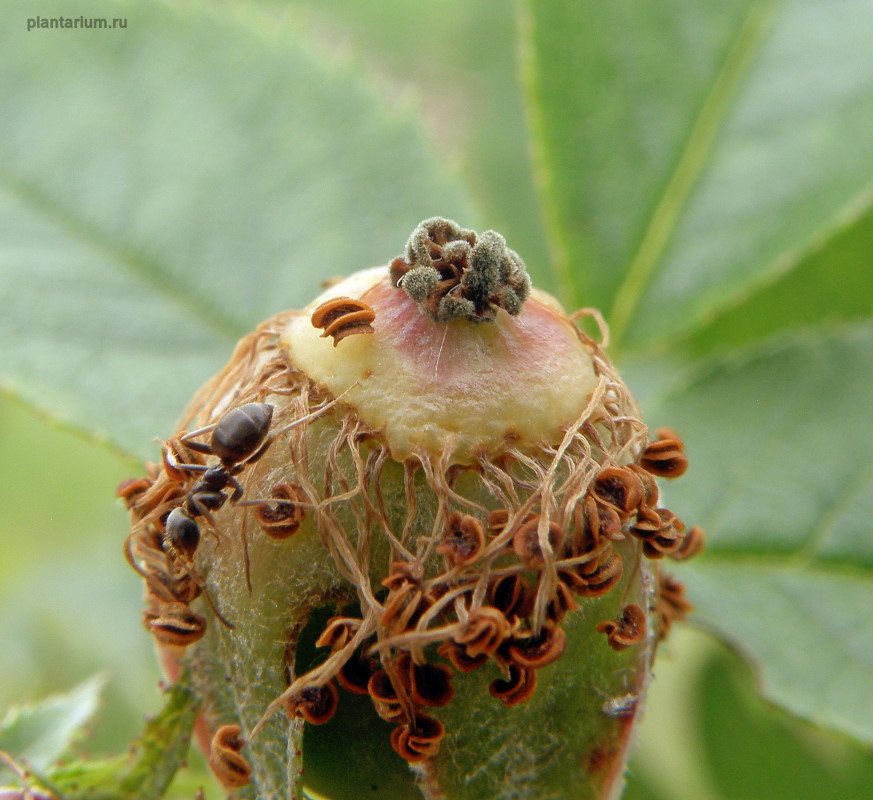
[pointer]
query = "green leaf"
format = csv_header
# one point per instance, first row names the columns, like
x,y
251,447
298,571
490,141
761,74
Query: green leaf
x,y
165,187
692,150
38,734
831,284
781,478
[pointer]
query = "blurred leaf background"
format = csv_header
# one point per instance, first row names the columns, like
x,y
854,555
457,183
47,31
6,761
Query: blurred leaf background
x,y
701,170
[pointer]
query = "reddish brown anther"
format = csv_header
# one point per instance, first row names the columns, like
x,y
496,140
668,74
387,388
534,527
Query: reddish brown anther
x,y
526,542
338,632
486,629
671,604
457,656
650,487
562,603
540,650
281,516
665,456
619,488
429,684
384,696
403,608
174,624
512,595
628,629
517,688
227,763
692,544
418,740
354,676
129,490
342,316
316,704
595,578
463,539
497,520
668,538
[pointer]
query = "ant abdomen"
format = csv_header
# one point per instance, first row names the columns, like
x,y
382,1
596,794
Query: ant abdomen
x,y
241,432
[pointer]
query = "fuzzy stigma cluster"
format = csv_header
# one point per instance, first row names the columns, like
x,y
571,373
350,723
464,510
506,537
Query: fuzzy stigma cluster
x,y
440,454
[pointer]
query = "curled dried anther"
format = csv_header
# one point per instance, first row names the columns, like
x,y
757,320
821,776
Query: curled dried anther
x,y
418,740
342,316
281,517
671,605
129,490
692,544
668,538
338,632
227,763
526,542
540,650
463,539
517,688
650,487
562,603
384,696
451,273
458,657
174,624
497,520
628,629
619,488
666,456
403,608
512,595
430,684
354,676
596,578
316,704
486,629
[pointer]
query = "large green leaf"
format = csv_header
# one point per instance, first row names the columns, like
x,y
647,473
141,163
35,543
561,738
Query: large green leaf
x,y
691,150
780,445
165,186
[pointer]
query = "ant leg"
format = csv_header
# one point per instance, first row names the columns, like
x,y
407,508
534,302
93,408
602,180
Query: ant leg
x,y
196,577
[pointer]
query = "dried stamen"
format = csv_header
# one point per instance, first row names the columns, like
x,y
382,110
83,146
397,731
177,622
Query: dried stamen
x,y
342,316
316,704
619,488
486,629
628,629
282,517
174,624
227,763
418,740
665,456
540,650
517,688
526,542
463,540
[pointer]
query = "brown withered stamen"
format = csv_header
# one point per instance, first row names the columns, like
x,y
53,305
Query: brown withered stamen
x,y
418,740
665,457
600,580
517,688
403,608
385,700
671,604
281,517
513,596
537,651
338,632
316,704
463,539
174,624
354,676
561,604
128,490
692,544
458,657
342,316
526,542
228,764
486,629
650,487
628,629
430,684
668,538
619,488
497,520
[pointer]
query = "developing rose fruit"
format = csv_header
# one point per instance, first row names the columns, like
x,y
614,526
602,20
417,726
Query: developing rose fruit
x,y
438,481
